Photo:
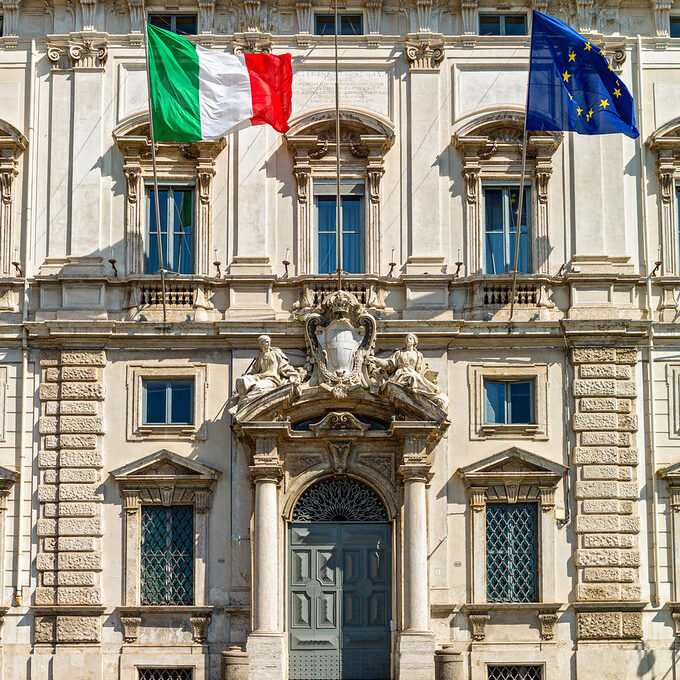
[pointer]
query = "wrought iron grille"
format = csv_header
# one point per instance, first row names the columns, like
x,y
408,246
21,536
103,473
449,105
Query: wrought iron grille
x,y
165,673
167,554
511,552
339,500
514,673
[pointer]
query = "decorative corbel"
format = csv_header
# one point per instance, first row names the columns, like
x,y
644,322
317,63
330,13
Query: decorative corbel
x,y
303,9
469,12
252,9
199,624
205,176
584,10
7,175
547,496
478,623
424,10
471,178
546,624
206,16
540,5
373,14
477,496
89,10
130,622
10,13
136,14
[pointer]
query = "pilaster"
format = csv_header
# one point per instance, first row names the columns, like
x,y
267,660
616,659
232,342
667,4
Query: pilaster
x,y
607,522
69,525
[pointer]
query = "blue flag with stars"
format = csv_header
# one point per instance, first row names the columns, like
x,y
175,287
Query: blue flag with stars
x,y
572,85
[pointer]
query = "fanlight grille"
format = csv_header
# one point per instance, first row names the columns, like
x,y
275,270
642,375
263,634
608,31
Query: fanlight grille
x,y
339,500
514,673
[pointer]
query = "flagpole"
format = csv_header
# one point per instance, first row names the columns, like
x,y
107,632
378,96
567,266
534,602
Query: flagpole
x,y
161,263
338,213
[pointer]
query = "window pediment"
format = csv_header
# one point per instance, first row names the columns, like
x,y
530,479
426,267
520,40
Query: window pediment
x,y
165,466
7,478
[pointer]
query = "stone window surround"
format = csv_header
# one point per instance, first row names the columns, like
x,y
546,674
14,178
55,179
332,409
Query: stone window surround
x,y
177,164
672,476
7,479
365,141
492,152
537,483
673,387
191,484
12,145
665,142
478,372
137,430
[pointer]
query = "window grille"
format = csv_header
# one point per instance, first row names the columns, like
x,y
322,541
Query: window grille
x,y
514,673
166,673
339,500
511,552
167,555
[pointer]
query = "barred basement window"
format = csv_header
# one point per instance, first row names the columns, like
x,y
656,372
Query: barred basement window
x,y
166,673
167,555
514,673
511,552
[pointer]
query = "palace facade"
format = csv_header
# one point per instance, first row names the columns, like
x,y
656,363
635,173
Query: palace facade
x,y
270,473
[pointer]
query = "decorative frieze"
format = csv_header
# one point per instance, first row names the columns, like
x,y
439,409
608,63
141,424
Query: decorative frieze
x,y
606,523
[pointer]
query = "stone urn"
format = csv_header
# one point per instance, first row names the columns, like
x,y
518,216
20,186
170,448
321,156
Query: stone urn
x,y
234,664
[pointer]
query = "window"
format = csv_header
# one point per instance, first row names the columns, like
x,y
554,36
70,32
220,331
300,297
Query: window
x,y
182,24
675,27
352,216
167,555
500,211
350,24
508,402
168,402
177,233
514,673
165,674
511,552
502,24
1,25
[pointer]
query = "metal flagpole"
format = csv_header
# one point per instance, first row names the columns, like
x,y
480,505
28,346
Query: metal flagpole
x,y
161,263
519,217
338,213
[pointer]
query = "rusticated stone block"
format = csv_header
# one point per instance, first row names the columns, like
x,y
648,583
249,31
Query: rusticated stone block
x,y
624,372
80,374
48,392
628,457
605,557
72,408
593,355
77,543
78,629
596,421
608,575
605,439
78,475
78,441
595,388
631,592
46,527
596,455
606,472
80,391
80,458
79,561
598,591
607,524
626,355
628,422
77,510
626,388
45,596
47,493
45,561
81,424
80,527
70,596
47,459
83,358
50,476
609,625
79,492
45,629
597,371
608,541
52,374
47,425
69,578
596,489
600,507
600,404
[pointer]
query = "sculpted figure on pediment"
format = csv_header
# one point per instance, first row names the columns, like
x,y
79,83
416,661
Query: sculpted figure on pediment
x,y
407,369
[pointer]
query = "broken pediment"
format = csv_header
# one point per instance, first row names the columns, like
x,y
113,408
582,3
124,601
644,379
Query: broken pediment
x,y
339,421
513,465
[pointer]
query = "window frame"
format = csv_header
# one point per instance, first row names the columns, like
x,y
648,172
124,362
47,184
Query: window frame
x,y
173,21
137,429
478,373
508,231
507,400
168,400
674,19
502,16
348,188
341,16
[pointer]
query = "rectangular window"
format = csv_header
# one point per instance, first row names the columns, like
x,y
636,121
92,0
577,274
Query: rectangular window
x,y
675,27
1,25
182,24
511,552
350,24
502,24
514,673
167,555
352,218
177,231
166,673
509,402
500,226
168,402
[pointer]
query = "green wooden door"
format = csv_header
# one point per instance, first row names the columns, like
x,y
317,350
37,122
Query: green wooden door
x,y
339,601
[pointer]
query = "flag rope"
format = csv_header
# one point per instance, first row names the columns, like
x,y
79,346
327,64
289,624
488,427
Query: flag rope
x,y
161,262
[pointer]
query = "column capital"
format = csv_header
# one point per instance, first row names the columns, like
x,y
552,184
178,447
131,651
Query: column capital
x,y
414,472
267,472
424,53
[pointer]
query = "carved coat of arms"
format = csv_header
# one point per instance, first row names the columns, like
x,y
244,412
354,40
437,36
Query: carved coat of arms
x,y
340,336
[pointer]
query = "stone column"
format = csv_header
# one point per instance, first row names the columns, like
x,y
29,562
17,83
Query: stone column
x,y
265,647
416,643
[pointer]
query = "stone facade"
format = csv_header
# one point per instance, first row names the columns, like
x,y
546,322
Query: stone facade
x,y
297,377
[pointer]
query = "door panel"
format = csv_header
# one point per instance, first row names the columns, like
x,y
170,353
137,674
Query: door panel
x,y
339,601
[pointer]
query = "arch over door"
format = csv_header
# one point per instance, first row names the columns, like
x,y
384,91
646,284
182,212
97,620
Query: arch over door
x,y
339,588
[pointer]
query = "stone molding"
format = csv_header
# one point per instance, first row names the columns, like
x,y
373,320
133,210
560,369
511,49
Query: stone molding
x,y
12,145
364,143
164,478
605,460
492,152
192,163
479,616
133,617
513,476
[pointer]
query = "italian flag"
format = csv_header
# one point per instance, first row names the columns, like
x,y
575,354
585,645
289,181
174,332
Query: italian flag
x,y
200,94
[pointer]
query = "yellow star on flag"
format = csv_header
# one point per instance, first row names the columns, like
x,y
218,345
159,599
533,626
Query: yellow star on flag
x,y
579,110
604,103
617,92
572,56
587,46
566,75
589,115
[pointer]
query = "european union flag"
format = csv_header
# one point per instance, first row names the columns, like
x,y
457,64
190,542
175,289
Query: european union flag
x,y
572,86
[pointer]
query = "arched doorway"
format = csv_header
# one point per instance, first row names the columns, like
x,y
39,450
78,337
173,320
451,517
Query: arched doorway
x,y
339,597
